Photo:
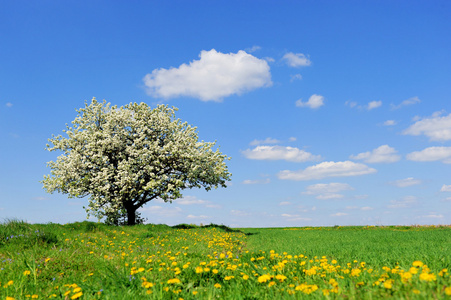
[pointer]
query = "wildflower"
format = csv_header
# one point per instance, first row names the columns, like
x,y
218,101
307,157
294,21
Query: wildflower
x,y
174,280
427,277
264,278
10,298
448,291
27,272
217,285
417,264
245,277
281,277
271,284
199,269
34,297
77,295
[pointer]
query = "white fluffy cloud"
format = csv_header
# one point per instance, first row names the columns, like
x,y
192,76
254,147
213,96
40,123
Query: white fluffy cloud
x,y
315,101
374,104
326,191
297,60
382,154
201,217
406,182
436,127
327,169
431,154
214,76
409,101
280,153
445,188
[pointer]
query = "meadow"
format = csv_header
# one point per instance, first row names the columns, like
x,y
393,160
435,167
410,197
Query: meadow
x,y
94,261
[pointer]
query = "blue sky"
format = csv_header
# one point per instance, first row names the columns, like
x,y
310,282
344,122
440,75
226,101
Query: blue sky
x,y
334,112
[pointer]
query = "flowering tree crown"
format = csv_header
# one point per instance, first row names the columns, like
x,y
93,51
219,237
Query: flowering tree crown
x,y
125,157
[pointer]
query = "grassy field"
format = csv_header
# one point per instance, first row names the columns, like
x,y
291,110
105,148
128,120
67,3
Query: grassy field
x,y
93,261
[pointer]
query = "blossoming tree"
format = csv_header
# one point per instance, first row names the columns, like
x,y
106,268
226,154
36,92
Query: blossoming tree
x,y
124,157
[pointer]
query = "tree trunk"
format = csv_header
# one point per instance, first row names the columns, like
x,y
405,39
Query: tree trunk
x,y
131,216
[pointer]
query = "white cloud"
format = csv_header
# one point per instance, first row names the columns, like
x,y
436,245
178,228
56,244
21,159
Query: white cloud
x,y
405,202
239,213
366,208
265,141
214,76
297,59
189,200
406,182
434,215
374,104
253,49
445,188
327,169
166,211
371,105
339,214
280,153
436,127
292,139
409,101
382,154
315,101
327,190
258,181
295,77
9,104
351,104
390,123
329,196
291,217
284,203
202,217
431,154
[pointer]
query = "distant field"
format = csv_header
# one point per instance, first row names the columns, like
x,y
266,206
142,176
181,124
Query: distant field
x,y
93,261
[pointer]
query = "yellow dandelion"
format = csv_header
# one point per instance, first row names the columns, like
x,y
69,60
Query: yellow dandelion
x,y
417,264
448,291
245,277
77,295
217,285
27,272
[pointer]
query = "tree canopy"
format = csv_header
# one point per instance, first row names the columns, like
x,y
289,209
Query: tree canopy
x,y
123,157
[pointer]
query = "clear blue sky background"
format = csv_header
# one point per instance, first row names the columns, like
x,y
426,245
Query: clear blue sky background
x,y
334,112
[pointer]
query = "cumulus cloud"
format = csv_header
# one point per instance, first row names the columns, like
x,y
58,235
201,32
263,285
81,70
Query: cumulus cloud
x,y
436,127
9,104
373,104
407,102
285,203
431,154
315,101
296,60
327,169
406,182
211,78
279,153
265,141
445,188
382,154
326,191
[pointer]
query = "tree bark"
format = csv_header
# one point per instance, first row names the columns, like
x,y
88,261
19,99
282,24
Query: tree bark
x,y
131,215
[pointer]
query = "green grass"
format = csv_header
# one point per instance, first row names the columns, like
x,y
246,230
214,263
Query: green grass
x,y
88,260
